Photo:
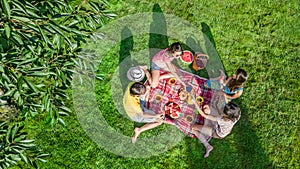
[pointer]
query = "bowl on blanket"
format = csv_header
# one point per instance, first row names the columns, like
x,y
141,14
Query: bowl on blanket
x,y
172,110
199,100
172,81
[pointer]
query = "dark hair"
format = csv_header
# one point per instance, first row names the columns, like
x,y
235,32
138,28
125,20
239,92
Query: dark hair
x,y
232,110
241,77
137,88
175,47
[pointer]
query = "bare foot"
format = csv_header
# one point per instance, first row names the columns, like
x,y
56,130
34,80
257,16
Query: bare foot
x,y
208,150
136,134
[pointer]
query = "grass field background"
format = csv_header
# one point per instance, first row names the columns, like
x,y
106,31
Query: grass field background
x,y
261,37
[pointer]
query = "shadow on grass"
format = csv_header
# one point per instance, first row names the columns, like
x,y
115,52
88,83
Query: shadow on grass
x,y
251,153
158,31
193,45
240,149
125,47
207,31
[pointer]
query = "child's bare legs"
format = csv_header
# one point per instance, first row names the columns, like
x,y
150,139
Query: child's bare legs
x,y
148,126
198,130
155,78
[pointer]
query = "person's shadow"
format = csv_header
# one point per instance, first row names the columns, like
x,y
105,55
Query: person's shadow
x,y
125,60
158,32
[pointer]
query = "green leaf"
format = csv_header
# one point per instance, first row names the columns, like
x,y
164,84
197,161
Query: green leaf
x,y
21,137
42,74
33,113
31,85
16,95
9,93
20,82
42,155
26,141
27,61
20,101
20,6
17,38
15,150
3,124
27,145
32,27
94,6
54,27
1,68
7,164
42,160
8,135
11,161
61,121
24,158
34,15
14,132
7,30
45,38
15,157
6,8
22,19
48,102
37,69
65,109
75,22
5,77
63,113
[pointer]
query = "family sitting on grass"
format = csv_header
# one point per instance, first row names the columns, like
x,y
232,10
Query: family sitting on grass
x,y
224,118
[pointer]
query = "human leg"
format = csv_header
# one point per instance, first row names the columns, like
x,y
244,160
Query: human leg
x,y
155,78
199,131
148,126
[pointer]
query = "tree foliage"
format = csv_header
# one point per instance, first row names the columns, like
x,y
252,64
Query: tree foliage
x,y
39,45
14,147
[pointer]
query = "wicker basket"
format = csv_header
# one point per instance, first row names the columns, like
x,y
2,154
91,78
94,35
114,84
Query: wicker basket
x,y
200,61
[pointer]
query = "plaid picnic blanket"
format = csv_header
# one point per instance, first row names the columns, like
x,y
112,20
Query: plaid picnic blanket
x,y
168,91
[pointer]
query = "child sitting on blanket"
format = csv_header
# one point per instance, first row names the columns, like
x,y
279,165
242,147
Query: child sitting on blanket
x,y
162,61
230,115
232,87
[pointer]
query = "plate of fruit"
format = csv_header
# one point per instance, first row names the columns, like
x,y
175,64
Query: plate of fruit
x,y
172,110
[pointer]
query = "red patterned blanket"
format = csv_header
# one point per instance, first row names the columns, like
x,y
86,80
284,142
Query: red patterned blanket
x,y
168,92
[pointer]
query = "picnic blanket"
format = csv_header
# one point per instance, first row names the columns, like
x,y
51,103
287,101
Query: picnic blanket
x,y
168,91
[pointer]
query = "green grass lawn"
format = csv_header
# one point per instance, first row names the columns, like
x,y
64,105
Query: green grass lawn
x,y
261,37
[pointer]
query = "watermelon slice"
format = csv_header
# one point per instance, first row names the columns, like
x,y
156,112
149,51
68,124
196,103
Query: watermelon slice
x,y
187,57
172,110
175,114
